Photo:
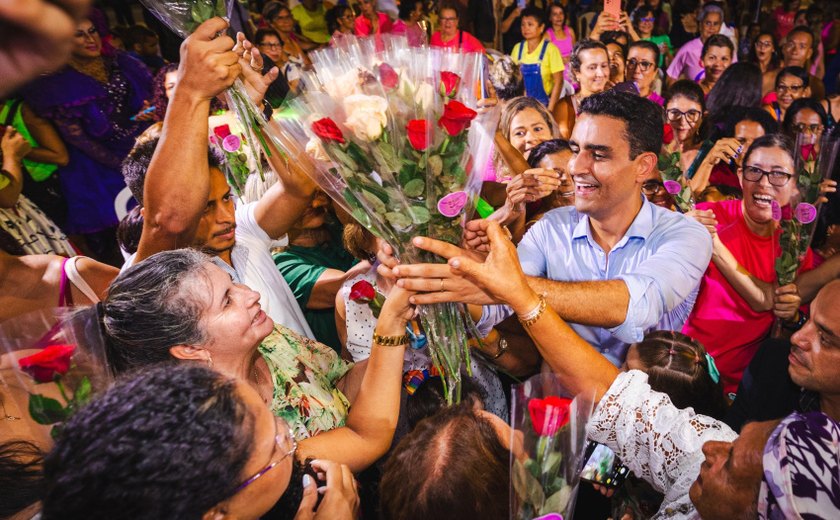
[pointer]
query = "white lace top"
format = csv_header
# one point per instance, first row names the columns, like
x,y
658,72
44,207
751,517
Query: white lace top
x,y
659,442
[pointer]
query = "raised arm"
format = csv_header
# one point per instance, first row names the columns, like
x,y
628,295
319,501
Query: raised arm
x,y
373,416
178,181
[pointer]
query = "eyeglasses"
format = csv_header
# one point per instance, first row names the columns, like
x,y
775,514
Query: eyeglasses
x,y
448,19
643,65
272,45
287,445
675,114
803,128
652,187
649,19
793,89
776,178
763,44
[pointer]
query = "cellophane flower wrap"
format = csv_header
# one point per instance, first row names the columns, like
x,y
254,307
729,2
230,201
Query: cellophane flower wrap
x,y
51,363
813,163
183,17
549,439
671,170
397,138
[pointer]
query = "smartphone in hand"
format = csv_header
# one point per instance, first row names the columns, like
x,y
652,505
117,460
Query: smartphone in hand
x,y
613,7
602,466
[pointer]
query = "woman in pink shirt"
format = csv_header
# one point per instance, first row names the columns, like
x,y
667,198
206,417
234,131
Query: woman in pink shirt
x,y
450,36
370,21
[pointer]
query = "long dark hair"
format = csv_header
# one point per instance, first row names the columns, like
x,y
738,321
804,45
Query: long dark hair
x,y
775,58
21,480
677,365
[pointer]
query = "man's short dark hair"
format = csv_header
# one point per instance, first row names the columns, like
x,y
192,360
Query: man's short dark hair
x,y
136,164
644,44
717,40
642,118
545,148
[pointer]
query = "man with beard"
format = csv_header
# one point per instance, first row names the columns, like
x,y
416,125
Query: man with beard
x,y
613,265
188,203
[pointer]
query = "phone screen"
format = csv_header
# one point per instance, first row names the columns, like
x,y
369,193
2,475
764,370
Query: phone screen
x,y
522,4
602,466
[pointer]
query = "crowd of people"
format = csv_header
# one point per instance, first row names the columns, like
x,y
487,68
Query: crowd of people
x,y
242,376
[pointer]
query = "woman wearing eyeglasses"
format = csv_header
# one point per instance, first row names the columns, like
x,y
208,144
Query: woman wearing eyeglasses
x,y
95,102
739,299
764,52
642,57
805,116
685,107
178,442
645,22
791,84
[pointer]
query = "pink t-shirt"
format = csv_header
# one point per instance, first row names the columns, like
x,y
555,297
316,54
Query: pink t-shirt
x,y
721,319
564,44
363,27
468,42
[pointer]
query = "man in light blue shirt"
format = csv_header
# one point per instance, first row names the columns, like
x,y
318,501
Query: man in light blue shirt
x,y
615,265
660,259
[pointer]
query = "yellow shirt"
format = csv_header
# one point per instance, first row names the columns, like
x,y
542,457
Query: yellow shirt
x,y
552,62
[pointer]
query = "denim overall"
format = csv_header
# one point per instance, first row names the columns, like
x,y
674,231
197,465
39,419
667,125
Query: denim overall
x,y
532,77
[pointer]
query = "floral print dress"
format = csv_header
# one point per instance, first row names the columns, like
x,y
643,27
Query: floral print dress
x,y
305,373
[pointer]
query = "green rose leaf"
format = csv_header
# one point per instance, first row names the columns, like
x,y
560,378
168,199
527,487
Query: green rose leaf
x,y
221,8
45,410
435,164
557,502
414,188
526,486
398,220
82,393
374,202
419,214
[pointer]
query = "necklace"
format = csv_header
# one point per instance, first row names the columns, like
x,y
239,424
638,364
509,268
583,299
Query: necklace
x,y
259,388
95,69
6,416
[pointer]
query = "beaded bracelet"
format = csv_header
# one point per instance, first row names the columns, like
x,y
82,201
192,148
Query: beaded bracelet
x,y
532,316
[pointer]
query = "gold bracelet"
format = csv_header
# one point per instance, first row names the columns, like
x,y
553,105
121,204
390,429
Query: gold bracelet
x,y
531,317
390,341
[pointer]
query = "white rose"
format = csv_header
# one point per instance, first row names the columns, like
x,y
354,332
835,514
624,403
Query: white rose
x,y
366,116
424,96
343,86
315,149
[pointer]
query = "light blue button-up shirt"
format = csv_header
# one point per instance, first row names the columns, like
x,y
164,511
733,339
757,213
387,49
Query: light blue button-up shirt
x,y
661,258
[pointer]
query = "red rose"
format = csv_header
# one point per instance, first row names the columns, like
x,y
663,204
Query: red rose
x,y
667,134
549,415
327,129
43,366
449,82
787,212
809,152
456,117
418,134
362,292
388,77
221,131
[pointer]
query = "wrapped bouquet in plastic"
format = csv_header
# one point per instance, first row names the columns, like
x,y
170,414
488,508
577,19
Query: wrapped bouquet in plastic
x,y
397,137
548,443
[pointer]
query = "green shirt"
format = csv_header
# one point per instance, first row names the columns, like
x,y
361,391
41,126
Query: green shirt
x,y
658,41
301,267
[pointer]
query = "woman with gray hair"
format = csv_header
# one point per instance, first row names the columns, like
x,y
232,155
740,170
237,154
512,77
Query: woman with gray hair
x,y
179,306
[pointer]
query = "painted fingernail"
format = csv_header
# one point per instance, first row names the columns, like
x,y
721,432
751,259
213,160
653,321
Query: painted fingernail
x,y
307,481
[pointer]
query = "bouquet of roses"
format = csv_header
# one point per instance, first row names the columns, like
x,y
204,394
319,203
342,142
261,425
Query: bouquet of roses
x,y
797,220
183,17
672,174
548,440
394,133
